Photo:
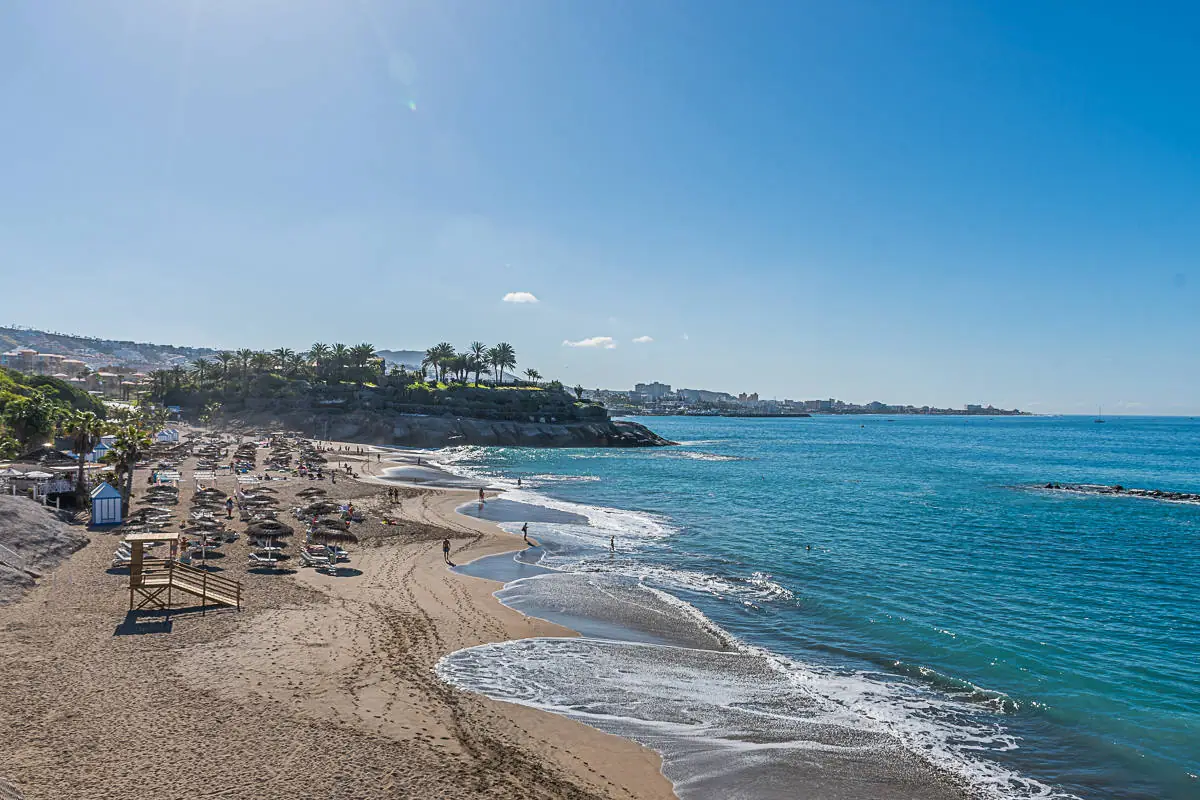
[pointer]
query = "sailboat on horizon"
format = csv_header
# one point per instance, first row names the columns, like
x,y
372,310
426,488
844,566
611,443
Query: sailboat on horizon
x,y
1099,414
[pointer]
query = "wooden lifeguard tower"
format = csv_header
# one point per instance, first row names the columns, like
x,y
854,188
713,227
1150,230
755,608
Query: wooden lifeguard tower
x,y
150,578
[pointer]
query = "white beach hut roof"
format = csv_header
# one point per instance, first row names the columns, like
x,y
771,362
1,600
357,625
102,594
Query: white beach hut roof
x,y
104,490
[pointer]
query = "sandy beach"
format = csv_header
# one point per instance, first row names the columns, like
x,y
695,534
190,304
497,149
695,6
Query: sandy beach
x,y
322,686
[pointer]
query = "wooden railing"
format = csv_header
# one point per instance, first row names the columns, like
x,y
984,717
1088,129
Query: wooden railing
x,y
219,584
203,578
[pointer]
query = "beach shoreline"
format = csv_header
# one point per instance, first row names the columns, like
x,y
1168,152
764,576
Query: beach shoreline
x,y
322,685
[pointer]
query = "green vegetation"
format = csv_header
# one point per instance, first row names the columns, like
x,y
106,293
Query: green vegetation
x,y
475,382
32,408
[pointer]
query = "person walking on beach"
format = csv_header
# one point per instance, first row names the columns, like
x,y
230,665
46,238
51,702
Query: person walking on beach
x,y
446,550
228,508
525,532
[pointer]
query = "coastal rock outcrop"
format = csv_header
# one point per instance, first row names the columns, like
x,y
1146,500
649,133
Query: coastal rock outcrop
x,y
1118,489
416,430
32,541
450,431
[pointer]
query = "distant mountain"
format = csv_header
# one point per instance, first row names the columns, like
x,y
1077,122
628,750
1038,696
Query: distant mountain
x,y
407,358
97,352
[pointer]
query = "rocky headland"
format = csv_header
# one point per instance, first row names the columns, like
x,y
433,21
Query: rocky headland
x,y
420,430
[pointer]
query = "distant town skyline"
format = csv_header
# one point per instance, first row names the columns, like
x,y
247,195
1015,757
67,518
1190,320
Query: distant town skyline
x,y
916,202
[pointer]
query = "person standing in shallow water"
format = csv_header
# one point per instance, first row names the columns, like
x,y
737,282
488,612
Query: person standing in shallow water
x,y
525,532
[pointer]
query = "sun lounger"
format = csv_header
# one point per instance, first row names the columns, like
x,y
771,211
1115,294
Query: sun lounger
x,y
312,560
262,561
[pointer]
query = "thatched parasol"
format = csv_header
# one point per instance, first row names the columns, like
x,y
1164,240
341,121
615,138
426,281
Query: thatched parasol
x,y
334,535
268,527
320,507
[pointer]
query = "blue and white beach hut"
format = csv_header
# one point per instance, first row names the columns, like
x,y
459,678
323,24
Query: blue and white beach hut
x,y
106,505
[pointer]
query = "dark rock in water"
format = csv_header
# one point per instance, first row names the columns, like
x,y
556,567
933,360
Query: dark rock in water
x,y
32,541
1118,489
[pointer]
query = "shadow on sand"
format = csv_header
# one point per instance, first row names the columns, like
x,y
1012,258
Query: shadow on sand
x,y
138,623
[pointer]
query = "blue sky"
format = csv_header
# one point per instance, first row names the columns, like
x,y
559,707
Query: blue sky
x,y
912,202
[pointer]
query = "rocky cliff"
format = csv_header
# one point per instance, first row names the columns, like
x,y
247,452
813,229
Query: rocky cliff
x,y
450,431
412,430
32,542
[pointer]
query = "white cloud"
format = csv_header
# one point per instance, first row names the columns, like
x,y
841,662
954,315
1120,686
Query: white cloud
x,y
520,297
643,340
686,337
606,342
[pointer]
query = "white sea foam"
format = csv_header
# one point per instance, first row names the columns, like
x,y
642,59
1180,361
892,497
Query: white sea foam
x,y
550,478
696,455
701,708
752,703
750,591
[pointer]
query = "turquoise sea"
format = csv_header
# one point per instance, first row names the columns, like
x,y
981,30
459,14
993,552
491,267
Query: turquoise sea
x,y
902,577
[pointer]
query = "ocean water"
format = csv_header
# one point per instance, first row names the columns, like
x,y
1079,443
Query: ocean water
x,y
865,602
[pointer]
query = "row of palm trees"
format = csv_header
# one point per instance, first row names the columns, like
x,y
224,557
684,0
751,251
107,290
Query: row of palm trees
x,y
236,368
475,360
133,429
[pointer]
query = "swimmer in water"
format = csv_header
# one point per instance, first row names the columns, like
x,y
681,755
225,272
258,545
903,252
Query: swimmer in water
x,y
612,543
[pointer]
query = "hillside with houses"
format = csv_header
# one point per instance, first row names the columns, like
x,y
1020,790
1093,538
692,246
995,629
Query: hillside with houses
x,y
89,351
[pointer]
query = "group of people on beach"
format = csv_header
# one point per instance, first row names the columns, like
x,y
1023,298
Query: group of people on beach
x,y
394,494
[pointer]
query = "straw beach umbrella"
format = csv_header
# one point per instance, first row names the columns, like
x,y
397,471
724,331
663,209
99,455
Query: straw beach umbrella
x,y
269,530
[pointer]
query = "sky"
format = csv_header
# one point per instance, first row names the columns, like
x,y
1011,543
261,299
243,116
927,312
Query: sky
x,y
916,202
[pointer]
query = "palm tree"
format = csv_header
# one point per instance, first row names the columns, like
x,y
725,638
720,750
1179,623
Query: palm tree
x,y
533,375
295,363
478,351
262,362
362,353
225,360
502,357
243,356
85,430
462,366
318,354
476,365
177,374
339,355
131,444
159,383
201,368
361,356
282,356
438,357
